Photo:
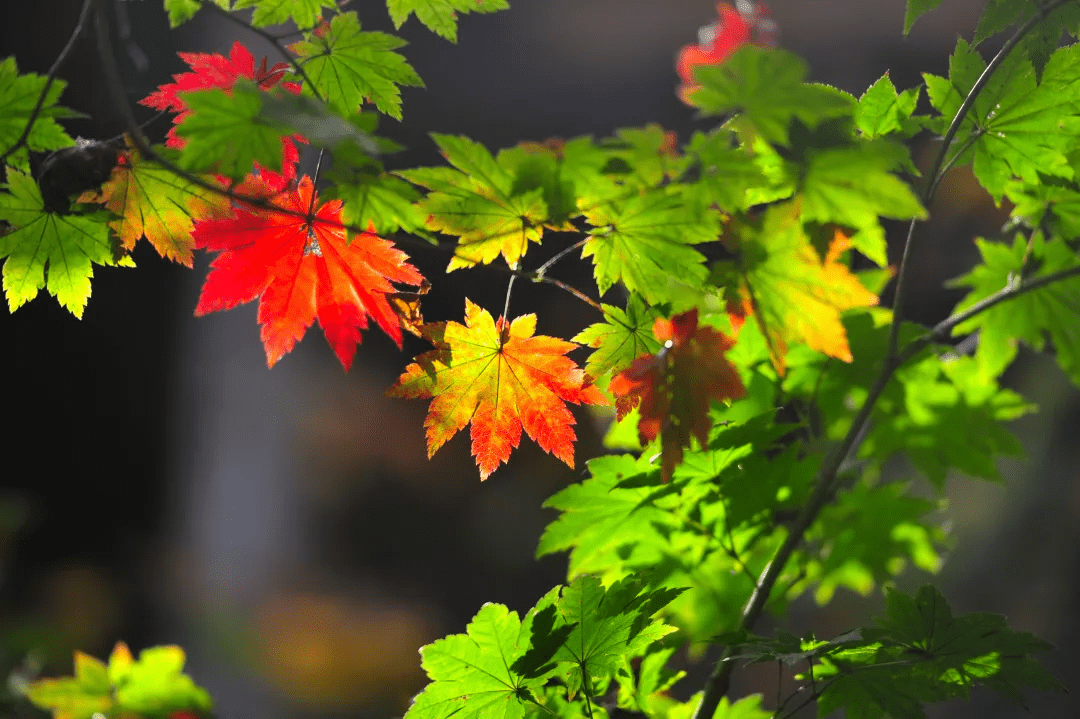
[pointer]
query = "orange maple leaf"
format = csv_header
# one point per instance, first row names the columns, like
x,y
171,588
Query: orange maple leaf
x,y
302,266
501,378
152,201
795,296
675,385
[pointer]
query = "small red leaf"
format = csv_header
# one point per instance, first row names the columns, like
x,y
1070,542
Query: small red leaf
x,y
675,385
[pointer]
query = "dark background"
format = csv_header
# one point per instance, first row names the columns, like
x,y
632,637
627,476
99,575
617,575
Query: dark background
x,y
284,526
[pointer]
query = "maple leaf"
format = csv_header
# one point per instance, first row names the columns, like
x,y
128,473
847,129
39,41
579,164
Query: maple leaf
x,y
348,67
480,202
305,13
675,385
501,378
18,96
622,337
214,71
47,250
440,16
302,266
794,296
152,201
645,241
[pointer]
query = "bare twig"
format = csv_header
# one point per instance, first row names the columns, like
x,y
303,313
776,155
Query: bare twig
x,y
79,26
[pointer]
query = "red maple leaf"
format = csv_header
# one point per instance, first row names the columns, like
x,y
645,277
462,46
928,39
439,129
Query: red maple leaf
x,y
675,385
302,266
211,70
502,378
735,28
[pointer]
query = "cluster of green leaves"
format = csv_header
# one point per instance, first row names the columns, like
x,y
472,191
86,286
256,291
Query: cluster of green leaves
x,y
749,229
152,686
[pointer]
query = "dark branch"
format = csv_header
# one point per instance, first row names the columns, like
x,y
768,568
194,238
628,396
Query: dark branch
x,y
48,83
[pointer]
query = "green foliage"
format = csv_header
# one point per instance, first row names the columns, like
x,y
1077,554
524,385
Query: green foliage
x,y
348,67
153,686
645,241
482,202
440,16
624,336
747,228
918,652
305,13
45,250
1018,126
1050,313
580,635
883,111
766,87
225,133
915,10
18,96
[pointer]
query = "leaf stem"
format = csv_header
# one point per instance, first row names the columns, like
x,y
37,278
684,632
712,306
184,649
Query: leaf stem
x,y
79,26
506,304
936,169
539,272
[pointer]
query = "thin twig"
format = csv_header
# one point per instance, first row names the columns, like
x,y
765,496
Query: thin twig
x,y
539,271
48,83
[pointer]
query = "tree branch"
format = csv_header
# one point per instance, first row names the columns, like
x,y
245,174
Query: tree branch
x,y
48,83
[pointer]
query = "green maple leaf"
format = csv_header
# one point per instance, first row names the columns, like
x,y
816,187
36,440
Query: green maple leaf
x,y
869,535
853,186
1017,127
1042,40
305,13
1054,201
481,202
154,685
440,16
382,200
646,241
605,526
621,338
483,673
727,173
18,96
609,626
920,652
975,648
226,134
946,416
180,11
915,10
1049,312
56,252
81,696
883,111
766,87
348,67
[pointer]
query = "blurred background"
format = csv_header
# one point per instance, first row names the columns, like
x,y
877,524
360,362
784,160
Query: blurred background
x,y
285,526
